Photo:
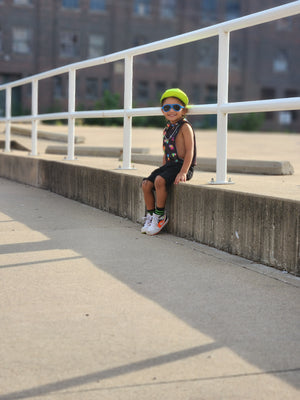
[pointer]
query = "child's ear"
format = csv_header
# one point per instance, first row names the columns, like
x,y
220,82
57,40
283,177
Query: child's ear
x,y
186,109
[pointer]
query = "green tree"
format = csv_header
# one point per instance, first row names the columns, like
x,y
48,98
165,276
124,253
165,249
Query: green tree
x,y
109,101
246,122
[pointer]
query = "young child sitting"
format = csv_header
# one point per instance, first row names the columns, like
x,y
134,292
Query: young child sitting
x,y
179,159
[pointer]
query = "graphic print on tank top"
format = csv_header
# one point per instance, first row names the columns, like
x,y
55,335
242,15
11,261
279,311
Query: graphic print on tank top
x,y
169,137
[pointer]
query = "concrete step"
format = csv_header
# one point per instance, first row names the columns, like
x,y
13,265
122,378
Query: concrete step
x,y
233,165
94,151
57,137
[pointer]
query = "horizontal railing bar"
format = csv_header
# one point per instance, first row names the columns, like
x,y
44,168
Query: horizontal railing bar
x,y
40,117
290,103
286,104
203,33
195,110
98,114
66,115
203,109
272,14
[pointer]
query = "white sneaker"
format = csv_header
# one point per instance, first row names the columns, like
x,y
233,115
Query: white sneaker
x,y
157,224
147,223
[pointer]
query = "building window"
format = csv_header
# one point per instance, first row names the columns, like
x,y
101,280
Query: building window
x,y
58,87
142,7
280,62
196,94
70,3
167,8
139,41
69,44
96,45
208,10
285,117
2,99
207,53
235,59
105,85
91,88
266,94
143,90
232,9
236,93
211,94
22,2
119,67
166,56
209,6
98,5
160,87
21,40
292,93
284,24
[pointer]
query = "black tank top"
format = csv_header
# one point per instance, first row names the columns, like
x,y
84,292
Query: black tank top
x,y
169,138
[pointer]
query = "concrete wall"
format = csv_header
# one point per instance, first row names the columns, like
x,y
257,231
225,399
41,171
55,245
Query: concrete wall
x,y
260,228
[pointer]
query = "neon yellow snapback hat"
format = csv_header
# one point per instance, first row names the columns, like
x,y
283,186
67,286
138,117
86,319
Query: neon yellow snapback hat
x,y
175,92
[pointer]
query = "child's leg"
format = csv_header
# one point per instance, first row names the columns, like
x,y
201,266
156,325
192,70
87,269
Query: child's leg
x,y
159,219
148,194
161,192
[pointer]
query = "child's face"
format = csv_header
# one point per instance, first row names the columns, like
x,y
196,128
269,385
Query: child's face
x,y
173,115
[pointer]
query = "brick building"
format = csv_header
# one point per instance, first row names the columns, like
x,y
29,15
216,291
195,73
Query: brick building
x,y
38,35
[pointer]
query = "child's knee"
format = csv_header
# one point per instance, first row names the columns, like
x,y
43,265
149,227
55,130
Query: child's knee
x,y
159,183
147,185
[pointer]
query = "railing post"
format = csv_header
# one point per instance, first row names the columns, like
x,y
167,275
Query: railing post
x,y
8,116
71,120
34,111
222,118
127,127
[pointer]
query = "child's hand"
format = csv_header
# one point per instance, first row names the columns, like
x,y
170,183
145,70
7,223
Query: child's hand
x,y
181,177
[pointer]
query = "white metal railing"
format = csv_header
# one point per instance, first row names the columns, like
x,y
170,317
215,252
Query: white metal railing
x,y
222,108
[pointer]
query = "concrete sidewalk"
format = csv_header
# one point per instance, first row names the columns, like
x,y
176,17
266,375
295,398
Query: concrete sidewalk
x,y
92,309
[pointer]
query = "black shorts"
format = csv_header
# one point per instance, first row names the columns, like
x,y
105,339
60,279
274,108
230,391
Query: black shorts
x,y
169,172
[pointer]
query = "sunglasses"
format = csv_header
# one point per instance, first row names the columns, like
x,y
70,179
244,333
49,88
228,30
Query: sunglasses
x,y
175,107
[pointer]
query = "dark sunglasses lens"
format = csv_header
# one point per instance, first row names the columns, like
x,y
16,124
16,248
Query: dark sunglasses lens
x,y
176,107
166,108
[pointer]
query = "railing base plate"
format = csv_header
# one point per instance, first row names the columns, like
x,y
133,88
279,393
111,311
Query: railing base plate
x,y
213,182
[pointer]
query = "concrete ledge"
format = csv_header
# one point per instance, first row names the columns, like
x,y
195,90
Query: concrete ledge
x,y
94,151
260,228
57,137
238,166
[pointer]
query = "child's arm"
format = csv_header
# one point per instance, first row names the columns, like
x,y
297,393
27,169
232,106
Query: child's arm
x,y
188,138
